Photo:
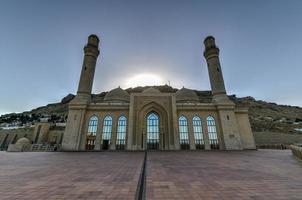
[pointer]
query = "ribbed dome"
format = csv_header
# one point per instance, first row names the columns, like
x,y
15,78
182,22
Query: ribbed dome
x,y
23,140
185,94
117,94
151,90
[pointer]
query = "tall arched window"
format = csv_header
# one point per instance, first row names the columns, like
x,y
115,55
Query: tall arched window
x,y
183,133
121,132
212,131
197,128
152,131
91,132
107,129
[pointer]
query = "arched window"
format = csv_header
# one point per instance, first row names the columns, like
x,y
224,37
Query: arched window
x,y
91,132
152,131
121,132
197,128
212,131
107,129
183,133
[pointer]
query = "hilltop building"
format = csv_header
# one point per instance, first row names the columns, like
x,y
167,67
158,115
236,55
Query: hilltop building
x,y
154,119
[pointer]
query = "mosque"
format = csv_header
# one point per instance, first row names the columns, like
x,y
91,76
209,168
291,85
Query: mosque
x,y
153,118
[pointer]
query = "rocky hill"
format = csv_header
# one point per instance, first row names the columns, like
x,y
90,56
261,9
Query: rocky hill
x,y
264,116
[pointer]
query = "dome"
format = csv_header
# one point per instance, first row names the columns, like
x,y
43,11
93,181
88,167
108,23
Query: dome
x,y
151,90
23,141
185,94
117,94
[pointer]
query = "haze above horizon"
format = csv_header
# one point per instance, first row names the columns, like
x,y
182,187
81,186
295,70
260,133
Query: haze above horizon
x,y
148,42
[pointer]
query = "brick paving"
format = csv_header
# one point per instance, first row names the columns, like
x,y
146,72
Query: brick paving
x,y
70,175
263,174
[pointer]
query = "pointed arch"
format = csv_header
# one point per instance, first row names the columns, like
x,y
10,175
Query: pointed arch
x,y
152,130
212,132
198,134
107,130
164,129
121,132
91,132
183,132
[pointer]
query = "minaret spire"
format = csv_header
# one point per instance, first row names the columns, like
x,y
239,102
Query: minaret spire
x,y
211,54
91,52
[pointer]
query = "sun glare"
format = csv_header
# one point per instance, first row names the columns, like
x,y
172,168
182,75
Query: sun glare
x,y
143,80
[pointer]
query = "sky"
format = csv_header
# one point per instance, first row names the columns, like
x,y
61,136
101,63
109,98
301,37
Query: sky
x,y
148,42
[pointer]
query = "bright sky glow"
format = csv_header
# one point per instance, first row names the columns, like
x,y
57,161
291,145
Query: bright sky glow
x,y
143,80
148,42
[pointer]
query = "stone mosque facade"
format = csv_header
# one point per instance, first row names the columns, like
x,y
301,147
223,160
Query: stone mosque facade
x,y
153,119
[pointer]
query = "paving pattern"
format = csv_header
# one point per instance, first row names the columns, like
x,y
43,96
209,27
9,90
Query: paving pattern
x,y
263,174
70,175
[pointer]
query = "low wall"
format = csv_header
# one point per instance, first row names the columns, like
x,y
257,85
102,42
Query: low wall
x,y
45,147
272,146
297,151
276,138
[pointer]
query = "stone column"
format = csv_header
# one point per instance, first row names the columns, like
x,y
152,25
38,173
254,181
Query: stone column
x,y
98,135
130,126
205,135
113,133
191,133
176,141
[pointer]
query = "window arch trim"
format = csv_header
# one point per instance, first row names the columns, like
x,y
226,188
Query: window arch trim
x,y
183,132
92,128
212,132
121,132
198,132
107,128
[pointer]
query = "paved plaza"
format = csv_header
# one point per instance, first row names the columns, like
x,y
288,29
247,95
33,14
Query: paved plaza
x,y
69,175
263,174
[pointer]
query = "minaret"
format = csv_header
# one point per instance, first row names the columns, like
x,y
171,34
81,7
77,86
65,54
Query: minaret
x,y
211,54
91,52
78,106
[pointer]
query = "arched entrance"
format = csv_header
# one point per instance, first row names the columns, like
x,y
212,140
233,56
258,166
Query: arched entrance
x,y
153,127
152,131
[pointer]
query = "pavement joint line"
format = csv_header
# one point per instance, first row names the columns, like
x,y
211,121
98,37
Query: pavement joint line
x,y
141,185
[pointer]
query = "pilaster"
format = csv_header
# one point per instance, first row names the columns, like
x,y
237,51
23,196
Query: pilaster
x,y
191,133
113,133
229,127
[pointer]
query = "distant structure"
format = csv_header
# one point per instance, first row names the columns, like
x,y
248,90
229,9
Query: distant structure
x,y
155,119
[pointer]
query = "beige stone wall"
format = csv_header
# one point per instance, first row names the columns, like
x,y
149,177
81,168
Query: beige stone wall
x,y
297,151
203,114
101,114
136,110
41,131
75,122
141,105
14,134
229,128
247,138
233,130
46,136
55,136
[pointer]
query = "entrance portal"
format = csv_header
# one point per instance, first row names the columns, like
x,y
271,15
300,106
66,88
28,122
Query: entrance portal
x,y
152,131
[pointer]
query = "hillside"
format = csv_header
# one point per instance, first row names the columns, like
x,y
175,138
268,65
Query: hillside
x,y
264,116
